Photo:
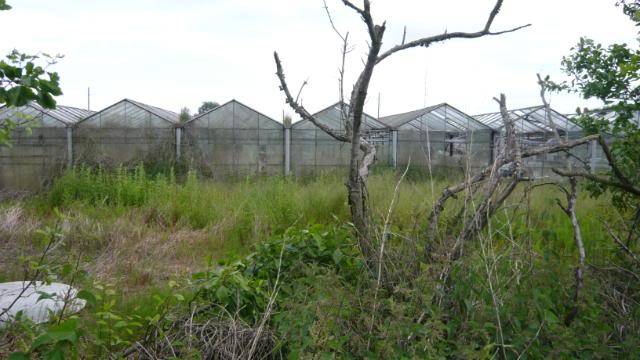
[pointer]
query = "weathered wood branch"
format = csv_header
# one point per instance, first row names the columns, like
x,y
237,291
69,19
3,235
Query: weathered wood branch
x,y
428,41
614,166
451,191
299,109
365,13
510,154
600,179
554,148
547,109
570,210
621,244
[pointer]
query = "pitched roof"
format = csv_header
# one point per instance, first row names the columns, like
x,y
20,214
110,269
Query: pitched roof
x,y
440,117
396,120
163,113
530,119
230,102
369,122
67,115
166,115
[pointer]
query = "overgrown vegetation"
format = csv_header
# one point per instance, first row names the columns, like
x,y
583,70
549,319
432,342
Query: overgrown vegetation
x,y
186,260
273,268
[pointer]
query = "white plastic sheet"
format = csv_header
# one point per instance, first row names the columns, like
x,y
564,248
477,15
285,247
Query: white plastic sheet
x,y
38,301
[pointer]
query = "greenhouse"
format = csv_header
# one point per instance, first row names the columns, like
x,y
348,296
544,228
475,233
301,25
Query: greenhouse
x,y
233,140
533,128
440,136
38,147
127,132
313,150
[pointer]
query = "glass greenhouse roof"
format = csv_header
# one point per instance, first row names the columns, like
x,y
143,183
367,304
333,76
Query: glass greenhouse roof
x,y
608,115
331,116
234,114
530,120
130,113
441,117
60,116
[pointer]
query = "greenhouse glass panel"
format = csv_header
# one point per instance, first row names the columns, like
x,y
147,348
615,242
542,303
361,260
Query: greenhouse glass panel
x,y
313,150
37,149
237,141
126,133
534,127
440,135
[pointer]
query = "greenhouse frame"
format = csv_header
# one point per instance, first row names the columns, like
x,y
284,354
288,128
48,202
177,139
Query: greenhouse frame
x,y
533,128
233,140
314,151
39,145
127,132
439,136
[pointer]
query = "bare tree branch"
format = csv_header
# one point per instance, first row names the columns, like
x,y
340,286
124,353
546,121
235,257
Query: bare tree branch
x,y
344,114
304,83
570,210
365,13
597,178
614,166
333,25
621,244
299,109
550,149
427,41
547,109
404,35
451,191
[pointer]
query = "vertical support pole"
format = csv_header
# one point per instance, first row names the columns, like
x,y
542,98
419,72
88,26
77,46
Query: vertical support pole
x,y
287,149
69,147
394,148
592,158
492,145
178,142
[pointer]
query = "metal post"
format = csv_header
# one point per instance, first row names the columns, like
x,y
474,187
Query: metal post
x,y
69,147
492,144
592,158
287,150
178,140
394,148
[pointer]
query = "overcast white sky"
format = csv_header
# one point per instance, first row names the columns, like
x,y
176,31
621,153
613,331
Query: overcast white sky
x,y
179,53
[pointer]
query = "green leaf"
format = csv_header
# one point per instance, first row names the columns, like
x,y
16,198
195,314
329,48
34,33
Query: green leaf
x,y
45,296
550,317
18,356
120,324
4,6
222,293
44,339
88,296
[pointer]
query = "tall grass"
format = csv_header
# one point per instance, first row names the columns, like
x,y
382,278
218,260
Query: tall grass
x,y
273,203
145,228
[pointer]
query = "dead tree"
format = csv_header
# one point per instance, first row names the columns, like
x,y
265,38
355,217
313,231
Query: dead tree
x,y
362,152
570,210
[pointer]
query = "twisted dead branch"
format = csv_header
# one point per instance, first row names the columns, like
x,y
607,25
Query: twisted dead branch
x,y
362,154
547,109
570,210
618,180
480,177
